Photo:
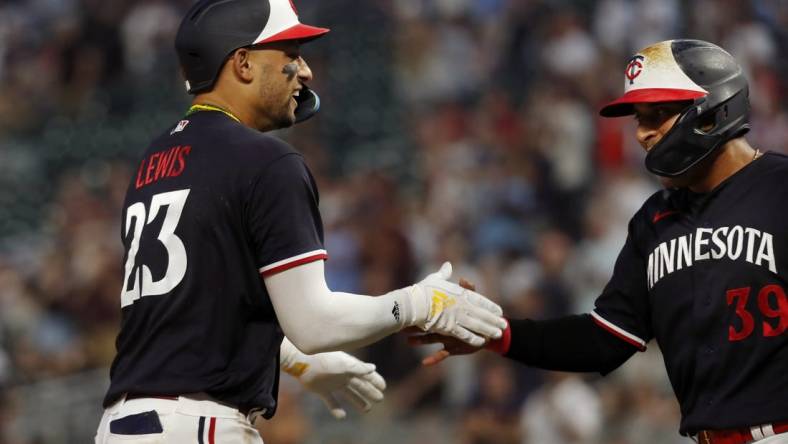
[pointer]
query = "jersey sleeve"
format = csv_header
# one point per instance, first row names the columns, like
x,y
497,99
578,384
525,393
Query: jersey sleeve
x,y
623,308
283,216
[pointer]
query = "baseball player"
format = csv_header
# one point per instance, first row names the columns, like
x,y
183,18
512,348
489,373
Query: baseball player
x,y
703,270
224,252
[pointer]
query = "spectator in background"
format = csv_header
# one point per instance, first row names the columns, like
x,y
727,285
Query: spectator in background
x,y
491,416
565,410
146,30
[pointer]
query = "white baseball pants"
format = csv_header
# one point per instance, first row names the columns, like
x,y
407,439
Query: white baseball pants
x,y
193,419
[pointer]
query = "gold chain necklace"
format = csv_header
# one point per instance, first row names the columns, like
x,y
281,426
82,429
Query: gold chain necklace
x,y
201,107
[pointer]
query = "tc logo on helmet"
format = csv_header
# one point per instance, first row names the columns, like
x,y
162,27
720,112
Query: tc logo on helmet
x,y
634,68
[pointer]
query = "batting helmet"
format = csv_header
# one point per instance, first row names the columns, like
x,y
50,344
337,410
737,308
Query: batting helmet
x,y
695,70
213,29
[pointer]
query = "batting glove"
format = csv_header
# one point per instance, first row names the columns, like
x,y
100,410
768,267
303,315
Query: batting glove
x,y
443,307
331,374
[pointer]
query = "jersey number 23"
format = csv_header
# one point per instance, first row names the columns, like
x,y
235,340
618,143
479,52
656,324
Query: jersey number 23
x,y
138,216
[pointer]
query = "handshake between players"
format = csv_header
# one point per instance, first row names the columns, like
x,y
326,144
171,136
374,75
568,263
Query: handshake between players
x,y
444,310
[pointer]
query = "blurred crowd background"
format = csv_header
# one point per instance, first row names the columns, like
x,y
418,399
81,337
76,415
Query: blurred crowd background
x,y
461,130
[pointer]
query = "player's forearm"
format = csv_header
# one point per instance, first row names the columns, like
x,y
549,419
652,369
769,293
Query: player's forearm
x,y
345,322
315,319
573,344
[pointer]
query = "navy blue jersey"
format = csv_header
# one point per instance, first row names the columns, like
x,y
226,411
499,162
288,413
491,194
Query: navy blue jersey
x,y
705,275
213,206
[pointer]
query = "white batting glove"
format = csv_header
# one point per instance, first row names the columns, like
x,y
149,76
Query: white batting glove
x,y
443,307
333,373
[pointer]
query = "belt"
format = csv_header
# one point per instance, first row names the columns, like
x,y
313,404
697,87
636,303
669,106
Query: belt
x,y
130,396
742,436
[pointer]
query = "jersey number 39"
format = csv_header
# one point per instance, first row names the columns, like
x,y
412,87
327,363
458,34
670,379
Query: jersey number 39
x,y
778,316
176,253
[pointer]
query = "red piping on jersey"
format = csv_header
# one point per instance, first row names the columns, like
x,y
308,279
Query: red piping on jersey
x,y
740,436
289,265
619,335
212,431
502,344
659,215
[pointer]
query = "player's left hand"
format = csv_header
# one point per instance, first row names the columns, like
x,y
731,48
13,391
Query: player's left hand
x,y
332,374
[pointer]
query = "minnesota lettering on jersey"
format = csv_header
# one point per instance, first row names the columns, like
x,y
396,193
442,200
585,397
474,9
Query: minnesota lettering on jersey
x,y
734,243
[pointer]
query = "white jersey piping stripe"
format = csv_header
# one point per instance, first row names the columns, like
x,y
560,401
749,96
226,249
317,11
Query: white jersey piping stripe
x,y
317,254
762,431
623,334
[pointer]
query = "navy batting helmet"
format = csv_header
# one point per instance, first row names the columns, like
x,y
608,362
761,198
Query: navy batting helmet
x,y
213,29
695,70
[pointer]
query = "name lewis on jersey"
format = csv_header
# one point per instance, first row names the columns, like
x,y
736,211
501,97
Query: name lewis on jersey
x,y
724,243
161,164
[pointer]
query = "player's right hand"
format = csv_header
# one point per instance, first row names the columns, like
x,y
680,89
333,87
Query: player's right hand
x,y
451,345
445,308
